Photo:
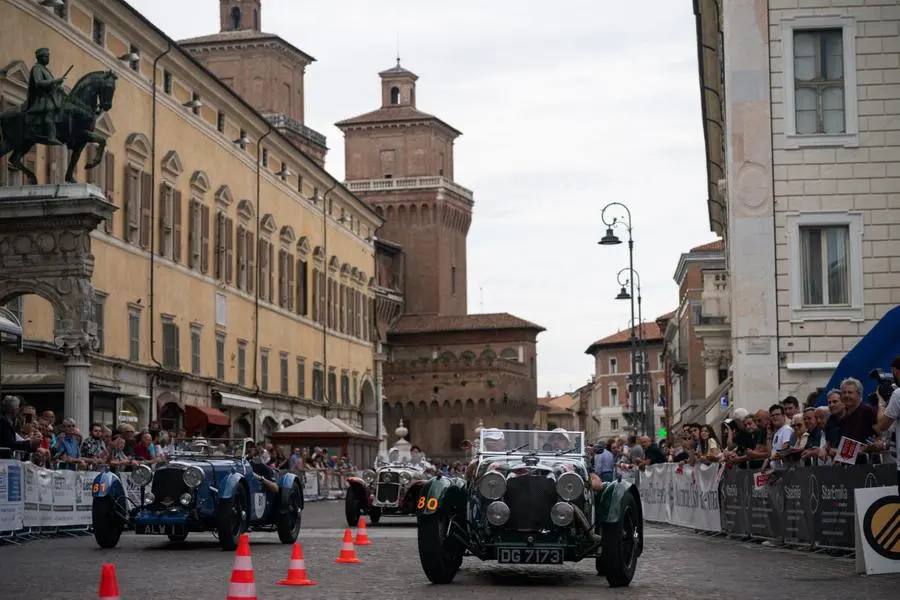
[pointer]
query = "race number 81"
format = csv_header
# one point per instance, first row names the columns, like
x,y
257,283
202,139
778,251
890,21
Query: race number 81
x,y
430,504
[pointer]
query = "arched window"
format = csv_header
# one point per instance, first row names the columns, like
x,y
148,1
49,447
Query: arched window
x,y
236,18
395,95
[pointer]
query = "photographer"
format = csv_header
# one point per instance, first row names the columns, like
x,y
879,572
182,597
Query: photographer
x,y
888,418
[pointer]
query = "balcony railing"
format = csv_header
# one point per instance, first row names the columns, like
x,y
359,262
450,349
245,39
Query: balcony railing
x,y
286,122
408,183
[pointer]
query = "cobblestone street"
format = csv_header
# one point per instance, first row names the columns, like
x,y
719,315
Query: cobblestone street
x,y
677,564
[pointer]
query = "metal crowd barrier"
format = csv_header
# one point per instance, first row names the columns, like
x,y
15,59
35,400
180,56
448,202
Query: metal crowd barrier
x,y
326,484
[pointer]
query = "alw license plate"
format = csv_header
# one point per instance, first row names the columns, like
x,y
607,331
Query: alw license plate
x,y
530,556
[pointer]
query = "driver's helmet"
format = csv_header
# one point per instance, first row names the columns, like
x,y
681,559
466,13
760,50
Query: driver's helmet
x,y
394,454
560,439
494,440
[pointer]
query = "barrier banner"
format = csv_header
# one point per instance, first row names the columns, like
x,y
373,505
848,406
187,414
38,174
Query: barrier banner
x,y
807,504
32,513
12,504
655,485
311,486
695,497
83,499
63,511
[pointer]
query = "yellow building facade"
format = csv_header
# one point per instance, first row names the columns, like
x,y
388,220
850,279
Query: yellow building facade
x,y
234,278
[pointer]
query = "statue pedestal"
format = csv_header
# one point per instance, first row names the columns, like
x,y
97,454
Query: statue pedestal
x,y
45,249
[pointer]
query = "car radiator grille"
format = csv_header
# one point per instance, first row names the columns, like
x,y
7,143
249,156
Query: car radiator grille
x,y
530,499
388,490
168,483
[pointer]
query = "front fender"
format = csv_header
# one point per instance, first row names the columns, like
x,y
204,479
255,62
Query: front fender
x,y
285,485
107,483
612,501
230,485
358,487
442,494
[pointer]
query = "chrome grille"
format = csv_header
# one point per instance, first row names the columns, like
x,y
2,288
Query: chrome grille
x,y
168,483
530,499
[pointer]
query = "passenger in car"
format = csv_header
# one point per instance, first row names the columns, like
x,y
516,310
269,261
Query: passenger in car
x,y
263,472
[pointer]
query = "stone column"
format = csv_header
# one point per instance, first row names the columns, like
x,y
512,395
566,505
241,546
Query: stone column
x,y
711,362
77,392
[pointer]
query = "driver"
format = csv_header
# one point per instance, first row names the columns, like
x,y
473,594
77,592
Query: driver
x,y
394,455
494,440
560,440
261,471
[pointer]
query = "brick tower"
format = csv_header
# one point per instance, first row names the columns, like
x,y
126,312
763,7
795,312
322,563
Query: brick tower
x,y
400,159
262,68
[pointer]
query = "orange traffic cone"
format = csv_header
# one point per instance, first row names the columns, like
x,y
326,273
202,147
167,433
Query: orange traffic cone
x,y
243,582
362,538
297,569
109,585
348,554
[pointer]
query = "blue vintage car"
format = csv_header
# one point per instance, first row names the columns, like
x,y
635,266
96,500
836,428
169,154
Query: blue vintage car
x,y
204,487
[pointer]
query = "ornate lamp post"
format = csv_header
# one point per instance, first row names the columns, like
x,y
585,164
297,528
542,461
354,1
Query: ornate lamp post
x,y
611,239
640,379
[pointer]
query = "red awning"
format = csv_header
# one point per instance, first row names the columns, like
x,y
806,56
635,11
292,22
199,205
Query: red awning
x,y
200,417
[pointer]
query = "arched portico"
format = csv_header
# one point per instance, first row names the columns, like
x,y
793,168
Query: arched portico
x,y
45,249
368,405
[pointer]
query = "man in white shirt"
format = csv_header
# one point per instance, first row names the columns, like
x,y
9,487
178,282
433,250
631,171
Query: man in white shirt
x,y
782,438
890,416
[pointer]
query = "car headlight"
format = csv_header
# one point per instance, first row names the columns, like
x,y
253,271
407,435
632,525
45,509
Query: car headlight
x,y
142,475
405,478
569,486
497,513
492,486
369,476
149,498
562,514
193,477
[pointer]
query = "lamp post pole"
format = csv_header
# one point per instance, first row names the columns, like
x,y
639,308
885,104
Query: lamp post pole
x,y
639,369
611,239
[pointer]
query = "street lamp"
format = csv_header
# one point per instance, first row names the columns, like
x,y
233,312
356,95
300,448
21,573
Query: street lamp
x,y
639,377
611,239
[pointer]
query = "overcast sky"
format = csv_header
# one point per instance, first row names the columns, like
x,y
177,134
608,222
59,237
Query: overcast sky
x,y
564,107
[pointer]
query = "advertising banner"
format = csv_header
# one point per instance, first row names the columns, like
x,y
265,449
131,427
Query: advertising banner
x,y
12,504
655,484
682,495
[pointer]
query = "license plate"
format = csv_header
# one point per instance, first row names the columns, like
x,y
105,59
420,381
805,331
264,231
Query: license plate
x,y
530,556
159,529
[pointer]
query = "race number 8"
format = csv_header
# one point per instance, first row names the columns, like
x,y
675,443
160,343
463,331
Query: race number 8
x,y
430,504
421,504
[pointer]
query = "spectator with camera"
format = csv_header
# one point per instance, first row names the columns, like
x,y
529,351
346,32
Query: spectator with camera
x,y
891,413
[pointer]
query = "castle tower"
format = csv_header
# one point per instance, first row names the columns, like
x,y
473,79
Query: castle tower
x,y
265,70
400,159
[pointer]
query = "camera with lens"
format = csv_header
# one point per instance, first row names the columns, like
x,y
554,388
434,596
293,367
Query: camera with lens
x,y
886,382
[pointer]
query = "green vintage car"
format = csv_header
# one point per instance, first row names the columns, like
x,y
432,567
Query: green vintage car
x,y
527,498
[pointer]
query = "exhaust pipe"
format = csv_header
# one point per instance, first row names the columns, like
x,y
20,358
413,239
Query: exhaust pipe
x,y
585,525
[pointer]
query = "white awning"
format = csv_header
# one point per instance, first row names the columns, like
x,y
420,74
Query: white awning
x,y
238,401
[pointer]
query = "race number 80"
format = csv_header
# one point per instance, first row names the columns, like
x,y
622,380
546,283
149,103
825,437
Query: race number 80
x,y
430,504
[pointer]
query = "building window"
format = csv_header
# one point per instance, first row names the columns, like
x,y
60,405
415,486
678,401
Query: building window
x,y
395,95
332,385
220,121
264,369
660,363
318,384
170,222
220,356
134,335
661,393
284,373
100,320
613,366
195,350
825,265
301,378
355,395
242,363
167,82
820,94
171,358
614,424
99,32
345,388
613,396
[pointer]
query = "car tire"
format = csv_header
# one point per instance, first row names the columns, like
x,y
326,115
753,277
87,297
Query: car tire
x,y
231,519
441,557
106,522
374,515
177,539
352,509
289,522
620,544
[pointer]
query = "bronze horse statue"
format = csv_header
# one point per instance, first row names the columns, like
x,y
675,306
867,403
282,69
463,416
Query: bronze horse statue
x,y
75,124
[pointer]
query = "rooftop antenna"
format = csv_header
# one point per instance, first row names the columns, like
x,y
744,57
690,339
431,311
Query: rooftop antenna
x,y
398,48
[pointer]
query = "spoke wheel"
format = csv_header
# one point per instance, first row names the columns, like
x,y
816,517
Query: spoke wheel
x,y
441,556
232,519
621,542
289,521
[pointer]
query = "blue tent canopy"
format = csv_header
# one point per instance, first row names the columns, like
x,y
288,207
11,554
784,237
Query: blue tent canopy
x,y
876,350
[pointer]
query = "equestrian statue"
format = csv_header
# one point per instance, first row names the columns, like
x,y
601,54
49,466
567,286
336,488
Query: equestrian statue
x,y
51,117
